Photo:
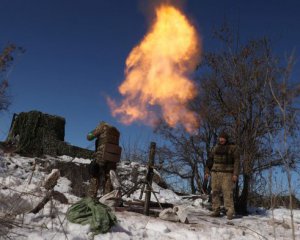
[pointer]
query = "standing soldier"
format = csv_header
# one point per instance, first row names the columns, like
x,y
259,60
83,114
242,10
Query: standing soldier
x,y
224,174
107,155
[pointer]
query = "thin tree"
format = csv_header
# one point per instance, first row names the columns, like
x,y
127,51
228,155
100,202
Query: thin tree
x,y
6,60
181,158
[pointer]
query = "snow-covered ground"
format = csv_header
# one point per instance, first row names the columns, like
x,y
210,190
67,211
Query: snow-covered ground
x,y
20,191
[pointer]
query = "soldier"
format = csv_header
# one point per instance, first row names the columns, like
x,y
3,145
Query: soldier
x,y
107,155
224,171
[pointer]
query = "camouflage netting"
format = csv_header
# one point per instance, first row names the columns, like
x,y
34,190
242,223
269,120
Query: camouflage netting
x,y
66,149
35,134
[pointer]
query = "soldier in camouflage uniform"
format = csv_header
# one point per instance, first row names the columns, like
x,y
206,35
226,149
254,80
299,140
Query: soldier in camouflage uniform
x,y
107,155
224,161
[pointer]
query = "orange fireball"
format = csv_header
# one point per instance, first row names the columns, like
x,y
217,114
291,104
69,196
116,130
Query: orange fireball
x,y
157,69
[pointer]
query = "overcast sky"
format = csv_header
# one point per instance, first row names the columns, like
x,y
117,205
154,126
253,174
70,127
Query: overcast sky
x,y
76,51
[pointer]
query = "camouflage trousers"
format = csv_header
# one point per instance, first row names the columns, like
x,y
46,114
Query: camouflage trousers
x,y
93,187
221,182
103,181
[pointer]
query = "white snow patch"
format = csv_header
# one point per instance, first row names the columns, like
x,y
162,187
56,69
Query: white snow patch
x,y
164,195
10,181
158,227
81,161
63,185
65,158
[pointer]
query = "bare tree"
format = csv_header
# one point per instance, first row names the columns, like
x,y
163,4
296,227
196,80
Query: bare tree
x,y
134,150
181,158
6,60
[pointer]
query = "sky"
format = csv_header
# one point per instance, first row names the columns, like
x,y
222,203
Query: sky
x,y
76,51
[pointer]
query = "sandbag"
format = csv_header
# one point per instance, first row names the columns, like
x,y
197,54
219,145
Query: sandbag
x,y
176,214
90,211
169,214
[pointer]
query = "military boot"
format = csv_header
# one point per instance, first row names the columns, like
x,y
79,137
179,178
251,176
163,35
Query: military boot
x,y
215,214
229,216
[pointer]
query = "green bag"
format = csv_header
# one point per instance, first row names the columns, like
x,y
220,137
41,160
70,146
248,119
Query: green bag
x,y
90,211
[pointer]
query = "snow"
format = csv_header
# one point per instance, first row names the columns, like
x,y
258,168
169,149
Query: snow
x,y
65,158
63,185
82,160
157,227
163,195
20,191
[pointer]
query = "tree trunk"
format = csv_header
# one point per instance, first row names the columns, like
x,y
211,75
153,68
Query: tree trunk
x,y
236,192
197,178
241,206
193,188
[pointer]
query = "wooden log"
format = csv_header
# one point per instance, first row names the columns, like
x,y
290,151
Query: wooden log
x,y
149,178
55,194
151,204
50,182
43,202
52,179
138,209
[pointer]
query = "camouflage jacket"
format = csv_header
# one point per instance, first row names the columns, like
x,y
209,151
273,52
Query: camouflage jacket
x,y
101,128
223,158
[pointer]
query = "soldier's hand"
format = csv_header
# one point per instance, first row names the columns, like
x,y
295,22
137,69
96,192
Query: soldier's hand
x,y
206,176
234,178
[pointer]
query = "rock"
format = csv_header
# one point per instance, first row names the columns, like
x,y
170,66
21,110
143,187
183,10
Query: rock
x,y
169,215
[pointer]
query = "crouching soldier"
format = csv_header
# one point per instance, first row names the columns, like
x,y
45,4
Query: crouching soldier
x,y
107,154
224,174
